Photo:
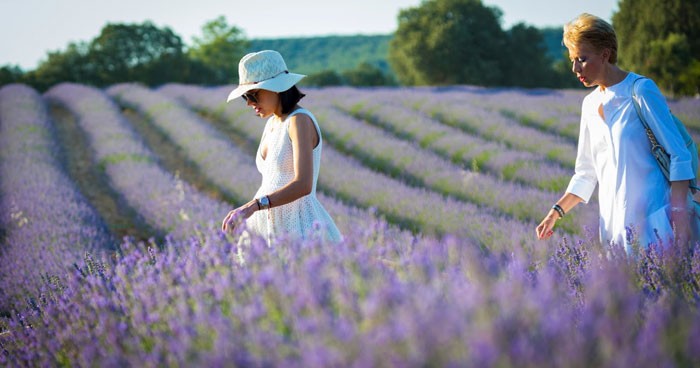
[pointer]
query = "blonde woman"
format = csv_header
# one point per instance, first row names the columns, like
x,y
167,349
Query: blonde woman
x,y
637,203
288,157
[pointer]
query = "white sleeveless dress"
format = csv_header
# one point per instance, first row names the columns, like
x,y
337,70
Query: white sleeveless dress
x,y
305,217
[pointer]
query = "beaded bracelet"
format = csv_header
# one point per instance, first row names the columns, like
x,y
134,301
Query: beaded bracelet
x,y
559,210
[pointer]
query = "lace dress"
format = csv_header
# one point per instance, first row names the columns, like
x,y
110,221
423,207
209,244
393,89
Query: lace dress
x,y
304,217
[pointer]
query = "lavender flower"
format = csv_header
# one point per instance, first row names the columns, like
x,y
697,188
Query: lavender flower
x,y
47,223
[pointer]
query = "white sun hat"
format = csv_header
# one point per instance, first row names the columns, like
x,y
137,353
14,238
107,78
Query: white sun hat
x,y
263,70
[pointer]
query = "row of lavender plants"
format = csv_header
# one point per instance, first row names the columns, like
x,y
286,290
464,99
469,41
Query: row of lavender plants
x,y
463,108
165,202
688,109
545,122
382,109
553,111
47,224
347,178
559,111
403,158
428,303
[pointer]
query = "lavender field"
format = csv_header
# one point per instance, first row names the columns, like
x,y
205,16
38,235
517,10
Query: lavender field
x,y
110,253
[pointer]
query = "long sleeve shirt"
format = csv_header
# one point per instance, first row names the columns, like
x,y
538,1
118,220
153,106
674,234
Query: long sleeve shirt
x,y
615,153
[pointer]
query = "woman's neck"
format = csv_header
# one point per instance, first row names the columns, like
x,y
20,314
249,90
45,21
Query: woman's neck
x,y
613,76
280,116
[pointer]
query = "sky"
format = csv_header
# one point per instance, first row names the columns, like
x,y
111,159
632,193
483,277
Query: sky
x,y
29,29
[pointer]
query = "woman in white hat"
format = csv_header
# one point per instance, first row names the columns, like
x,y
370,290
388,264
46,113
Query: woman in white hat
x,y
289,155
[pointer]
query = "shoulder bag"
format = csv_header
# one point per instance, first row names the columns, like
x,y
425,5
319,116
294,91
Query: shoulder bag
x,y
662,157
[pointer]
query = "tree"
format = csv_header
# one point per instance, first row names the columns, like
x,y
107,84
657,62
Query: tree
x,y
323,78
219,49
445,42
10,74
562,75
366,74
71,65
526,63
133,52
661,39
121,53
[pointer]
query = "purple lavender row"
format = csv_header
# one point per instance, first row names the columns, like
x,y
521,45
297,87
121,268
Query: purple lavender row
x,y
553,111
559,111
432,170
48,224
224,164
216,156
388,304
474,152
164,201
688,109
437,173
462,108
347,178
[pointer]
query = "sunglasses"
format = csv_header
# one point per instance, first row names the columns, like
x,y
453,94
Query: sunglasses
x,y
252,97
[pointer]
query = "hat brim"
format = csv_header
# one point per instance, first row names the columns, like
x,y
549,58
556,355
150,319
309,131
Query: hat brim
x,y
279,83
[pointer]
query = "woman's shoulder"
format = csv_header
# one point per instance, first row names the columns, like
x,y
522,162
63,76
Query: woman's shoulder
x,y
645,88
640,83
301,114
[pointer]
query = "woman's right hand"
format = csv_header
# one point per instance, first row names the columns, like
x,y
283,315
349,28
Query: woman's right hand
x,y
546,228
231,219
238,215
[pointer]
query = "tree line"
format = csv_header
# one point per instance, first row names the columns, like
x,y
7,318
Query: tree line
x,y
440,42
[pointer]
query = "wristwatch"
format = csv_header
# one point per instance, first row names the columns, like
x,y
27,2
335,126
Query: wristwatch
x,y
263,202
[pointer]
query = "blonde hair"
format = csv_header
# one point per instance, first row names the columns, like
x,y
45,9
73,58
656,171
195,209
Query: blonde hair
x,y
591,30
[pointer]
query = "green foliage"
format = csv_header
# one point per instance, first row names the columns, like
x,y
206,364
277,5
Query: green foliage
x,y
122,52
444,42
10,74
71,65
137,52
526,61
323,78
562,74
310,55
552,37
125,53
219,49
364,75
661,39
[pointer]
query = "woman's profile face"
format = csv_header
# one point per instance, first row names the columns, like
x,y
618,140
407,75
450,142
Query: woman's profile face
x,y
264,102
587,63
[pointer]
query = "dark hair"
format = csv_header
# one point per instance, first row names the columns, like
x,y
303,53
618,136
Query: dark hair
x,y
290,98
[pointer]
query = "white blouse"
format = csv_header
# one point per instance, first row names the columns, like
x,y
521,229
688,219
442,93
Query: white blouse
x,y
634,195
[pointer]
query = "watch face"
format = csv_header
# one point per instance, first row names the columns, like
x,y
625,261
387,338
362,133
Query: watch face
x,y
264,202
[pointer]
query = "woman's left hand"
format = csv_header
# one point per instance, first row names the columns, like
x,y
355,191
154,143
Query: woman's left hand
x,y
238,215
680,213
680,219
